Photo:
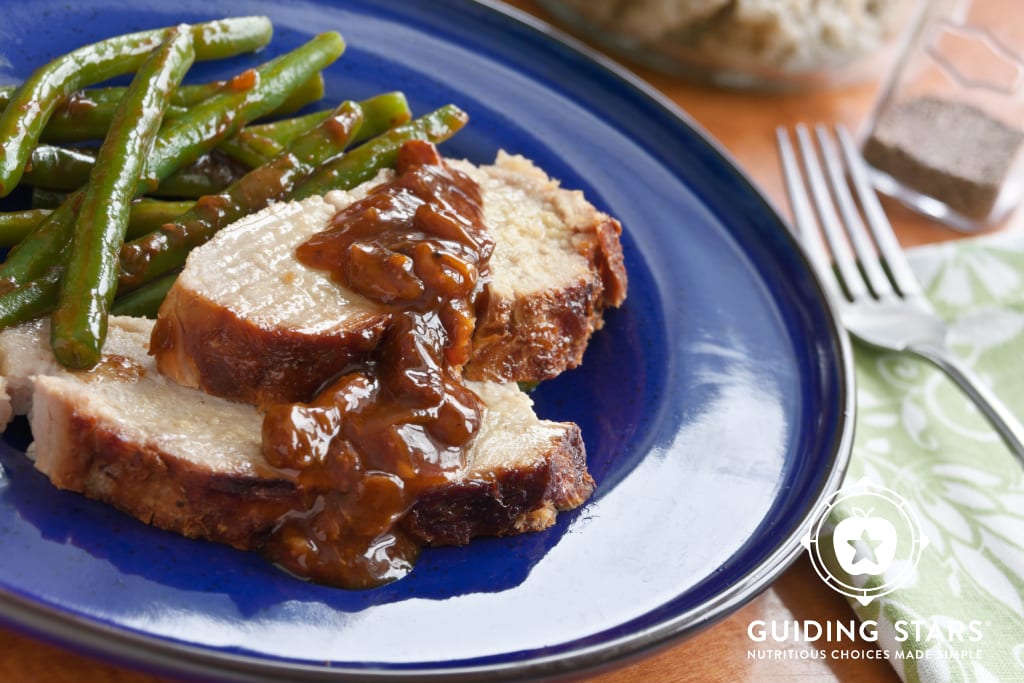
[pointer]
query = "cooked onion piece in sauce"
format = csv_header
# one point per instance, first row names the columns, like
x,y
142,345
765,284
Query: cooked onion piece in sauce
x,y
400,423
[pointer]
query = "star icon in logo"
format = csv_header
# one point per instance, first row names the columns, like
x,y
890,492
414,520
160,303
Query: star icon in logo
x,y
864,547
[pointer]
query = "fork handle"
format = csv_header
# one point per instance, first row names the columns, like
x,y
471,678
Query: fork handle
x,y
1008,426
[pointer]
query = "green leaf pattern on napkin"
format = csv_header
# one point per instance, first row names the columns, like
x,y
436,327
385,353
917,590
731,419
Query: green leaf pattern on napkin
x,y
921,437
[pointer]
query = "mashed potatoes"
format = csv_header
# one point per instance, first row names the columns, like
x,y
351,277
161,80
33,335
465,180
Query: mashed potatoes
x,y
782,35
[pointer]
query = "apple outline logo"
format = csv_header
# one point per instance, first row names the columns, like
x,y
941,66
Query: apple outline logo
x,y
864,543
857,545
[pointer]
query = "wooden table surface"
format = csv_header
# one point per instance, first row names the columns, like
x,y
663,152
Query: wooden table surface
x,y
744,124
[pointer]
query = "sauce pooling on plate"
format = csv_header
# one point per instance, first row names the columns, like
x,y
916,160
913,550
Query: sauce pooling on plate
x,y
400,423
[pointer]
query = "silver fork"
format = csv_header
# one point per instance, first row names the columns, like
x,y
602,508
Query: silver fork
x,y
879,300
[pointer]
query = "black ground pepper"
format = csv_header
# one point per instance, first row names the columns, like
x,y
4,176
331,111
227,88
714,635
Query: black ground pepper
x,y
949,150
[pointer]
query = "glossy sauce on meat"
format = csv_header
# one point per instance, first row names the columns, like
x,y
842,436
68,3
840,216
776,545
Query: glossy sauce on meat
x,y
399,424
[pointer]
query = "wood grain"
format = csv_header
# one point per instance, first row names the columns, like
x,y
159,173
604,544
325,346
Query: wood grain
x,y
744,124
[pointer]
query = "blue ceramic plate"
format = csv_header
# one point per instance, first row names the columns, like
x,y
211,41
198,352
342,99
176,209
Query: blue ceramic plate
x,y
715,404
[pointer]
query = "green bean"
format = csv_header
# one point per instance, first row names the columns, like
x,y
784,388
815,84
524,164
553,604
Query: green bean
x,y
45,198
145,301
253,153
166,249
86,114
250,149
78,327
363,162
185,96
208,174
383,112
79,120
14,225
59,168
254,94
146,216
83,117
109,96
30,299
149,214
68,169
250,95
43,248
256,144
309,91
284,131
25,117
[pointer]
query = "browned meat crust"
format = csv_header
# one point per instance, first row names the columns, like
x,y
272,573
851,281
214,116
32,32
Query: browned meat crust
x,y
168,492
536,337
508,501
204,345
157,487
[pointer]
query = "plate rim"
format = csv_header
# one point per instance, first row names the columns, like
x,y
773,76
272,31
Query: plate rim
x,y
153,653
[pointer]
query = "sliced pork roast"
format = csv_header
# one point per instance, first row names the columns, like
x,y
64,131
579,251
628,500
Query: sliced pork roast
x,y
339,415
247,321
192,463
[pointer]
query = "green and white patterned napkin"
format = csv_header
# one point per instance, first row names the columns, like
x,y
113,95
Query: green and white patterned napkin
x,y
919,436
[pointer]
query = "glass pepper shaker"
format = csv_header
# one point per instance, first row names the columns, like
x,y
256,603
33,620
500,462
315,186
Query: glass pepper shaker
x,y
946,136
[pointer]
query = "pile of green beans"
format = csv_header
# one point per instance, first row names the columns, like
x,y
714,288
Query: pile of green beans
x,y
111,224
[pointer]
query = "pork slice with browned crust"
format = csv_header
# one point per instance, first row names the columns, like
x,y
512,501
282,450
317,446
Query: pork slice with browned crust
x,y
247,321
557,265
192,463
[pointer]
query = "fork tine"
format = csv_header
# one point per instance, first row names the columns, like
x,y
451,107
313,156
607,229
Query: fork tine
x,y
878,281
803,213
891,251
849,274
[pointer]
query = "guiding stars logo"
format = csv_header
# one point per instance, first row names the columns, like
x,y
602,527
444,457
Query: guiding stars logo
x,y
865,541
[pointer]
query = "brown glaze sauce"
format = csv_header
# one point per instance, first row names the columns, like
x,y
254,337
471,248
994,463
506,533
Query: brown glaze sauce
x,y
400,423
114,367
